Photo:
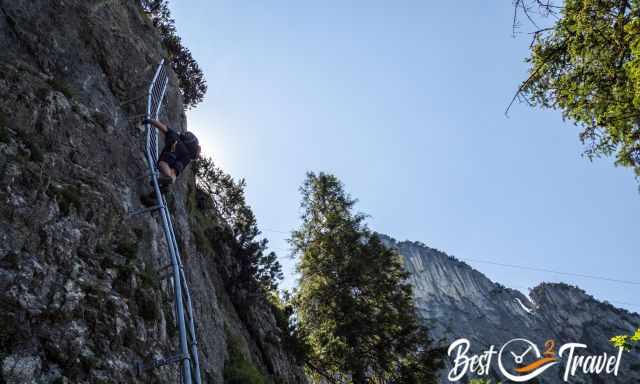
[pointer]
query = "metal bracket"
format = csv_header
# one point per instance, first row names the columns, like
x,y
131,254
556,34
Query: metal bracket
x,y
141,367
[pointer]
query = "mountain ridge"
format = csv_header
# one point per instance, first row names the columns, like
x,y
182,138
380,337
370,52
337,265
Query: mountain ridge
x,y
458,301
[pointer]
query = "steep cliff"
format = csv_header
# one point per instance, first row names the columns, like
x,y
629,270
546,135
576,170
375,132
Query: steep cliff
x,y
81,298
459,302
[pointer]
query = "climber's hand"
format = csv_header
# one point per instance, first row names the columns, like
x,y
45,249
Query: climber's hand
x,y
148,121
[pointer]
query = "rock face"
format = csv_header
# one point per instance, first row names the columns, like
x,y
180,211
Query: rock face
x,y
457,301
81,300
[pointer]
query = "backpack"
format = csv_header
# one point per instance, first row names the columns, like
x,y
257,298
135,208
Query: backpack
x,y
190,141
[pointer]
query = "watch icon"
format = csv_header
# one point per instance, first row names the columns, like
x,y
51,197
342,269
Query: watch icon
x,y
519,359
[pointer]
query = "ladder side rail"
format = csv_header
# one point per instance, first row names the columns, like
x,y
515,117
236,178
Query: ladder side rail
x,y
192,330
151,159
185,289
176,276
155,97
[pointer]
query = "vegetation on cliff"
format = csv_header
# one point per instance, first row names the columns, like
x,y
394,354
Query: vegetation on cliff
x,y
218,196
193,85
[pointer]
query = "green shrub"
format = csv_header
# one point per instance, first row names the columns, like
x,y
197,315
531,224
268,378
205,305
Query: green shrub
x,y
149,277
202,243
4,134
42,92
127,248
67,197
224,198
238,370
124,271
4,131
146,303
101,118
139,232
35,152
61,86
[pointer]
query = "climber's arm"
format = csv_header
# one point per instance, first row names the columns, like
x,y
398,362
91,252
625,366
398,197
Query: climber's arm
x,y
161,127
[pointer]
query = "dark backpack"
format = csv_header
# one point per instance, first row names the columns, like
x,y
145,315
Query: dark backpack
x,y
190,141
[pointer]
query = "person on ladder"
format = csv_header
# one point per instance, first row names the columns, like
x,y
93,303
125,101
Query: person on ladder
x,y
179,149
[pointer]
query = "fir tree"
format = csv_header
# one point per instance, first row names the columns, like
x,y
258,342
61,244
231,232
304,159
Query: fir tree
x,y
354,306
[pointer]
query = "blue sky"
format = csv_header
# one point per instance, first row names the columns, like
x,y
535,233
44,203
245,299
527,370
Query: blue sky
x,y
404,103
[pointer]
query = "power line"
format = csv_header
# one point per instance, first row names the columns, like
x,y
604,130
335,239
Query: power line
x,y
593,277
520,286
274,230
528,268
524,267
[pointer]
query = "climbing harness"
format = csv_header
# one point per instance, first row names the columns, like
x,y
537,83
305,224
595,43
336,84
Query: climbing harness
x,y
188,345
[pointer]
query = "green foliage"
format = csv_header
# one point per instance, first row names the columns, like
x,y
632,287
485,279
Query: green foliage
x,y
147,306
354,306
127,248
101,118
588,66
481,381
61,86
628,342
67,197
202,242
292,341
35,153
149,277
4,134
239,370
193,86
8,332
218,194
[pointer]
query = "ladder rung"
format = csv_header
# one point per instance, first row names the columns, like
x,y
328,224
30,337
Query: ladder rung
x,y
144,210
146,175
164,267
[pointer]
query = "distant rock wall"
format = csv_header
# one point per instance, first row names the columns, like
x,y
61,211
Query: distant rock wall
x,y
457,301
81,300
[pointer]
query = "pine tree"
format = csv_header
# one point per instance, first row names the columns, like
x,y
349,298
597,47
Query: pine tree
x,y
354,306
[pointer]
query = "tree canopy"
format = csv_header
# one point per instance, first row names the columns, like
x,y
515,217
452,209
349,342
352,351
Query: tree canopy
x,y
193,85
587,64
354,306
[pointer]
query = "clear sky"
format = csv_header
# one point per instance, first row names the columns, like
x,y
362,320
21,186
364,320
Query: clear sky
x,y
404,102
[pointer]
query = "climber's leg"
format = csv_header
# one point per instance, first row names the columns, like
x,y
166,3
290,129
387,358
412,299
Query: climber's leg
x,y
167,174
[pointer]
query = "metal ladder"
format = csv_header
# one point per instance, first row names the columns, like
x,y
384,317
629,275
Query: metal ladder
x,y
188,355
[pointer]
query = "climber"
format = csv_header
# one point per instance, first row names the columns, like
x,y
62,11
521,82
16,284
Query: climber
x,y
179,149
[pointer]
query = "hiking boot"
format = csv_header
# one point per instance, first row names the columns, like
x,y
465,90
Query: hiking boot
x,y
148,200
165,180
